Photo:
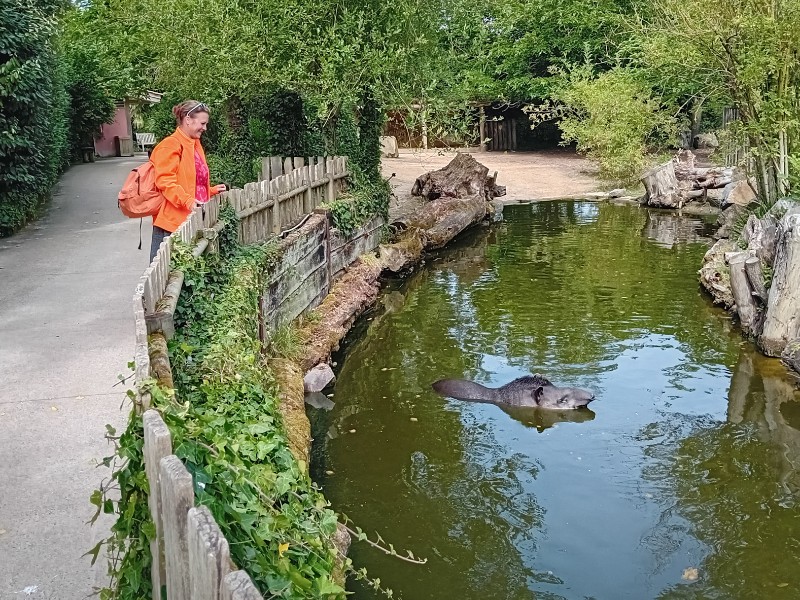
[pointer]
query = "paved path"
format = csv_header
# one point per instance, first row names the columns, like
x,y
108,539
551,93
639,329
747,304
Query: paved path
x,y
66,332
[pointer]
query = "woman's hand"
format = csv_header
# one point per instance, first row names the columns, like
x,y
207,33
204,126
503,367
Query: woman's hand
x,y
219,188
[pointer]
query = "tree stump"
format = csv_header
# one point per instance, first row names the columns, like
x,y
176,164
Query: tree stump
x,y
661,187
463,177
783,306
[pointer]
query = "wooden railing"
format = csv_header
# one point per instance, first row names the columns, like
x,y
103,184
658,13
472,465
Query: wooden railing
x,y
190,554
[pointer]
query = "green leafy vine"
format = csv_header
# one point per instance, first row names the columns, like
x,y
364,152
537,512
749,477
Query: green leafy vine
x,y
226,428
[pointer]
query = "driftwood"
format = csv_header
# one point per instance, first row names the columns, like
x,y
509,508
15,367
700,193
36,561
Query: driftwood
x,y
404,252
746,307
715,274
755,275
463,177
460,195
783,306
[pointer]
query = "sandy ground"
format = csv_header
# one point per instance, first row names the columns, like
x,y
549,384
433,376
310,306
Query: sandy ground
x,y
527,175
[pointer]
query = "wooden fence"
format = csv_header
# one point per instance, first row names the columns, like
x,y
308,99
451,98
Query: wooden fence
x,y
267,207
190,555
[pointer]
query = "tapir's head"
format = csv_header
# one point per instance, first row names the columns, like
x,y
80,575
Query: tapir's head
x,y
551,396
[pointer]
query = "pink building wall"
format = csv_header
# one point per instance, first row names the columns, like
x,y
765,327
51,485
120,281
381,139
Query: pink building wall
x,y
104,144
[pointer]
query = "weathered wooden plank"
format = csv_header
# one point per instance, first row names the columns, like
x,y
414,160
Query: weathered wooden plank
x,y
265,168
344,251
263,231
141,356
330,191
275,213
157,445
299,162
149,292
276,167
177,497
238,586
209,555
287,166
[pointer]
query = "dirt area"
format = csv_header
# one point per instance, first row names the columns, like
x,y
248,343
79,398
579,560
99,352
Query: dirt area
x,y
527,175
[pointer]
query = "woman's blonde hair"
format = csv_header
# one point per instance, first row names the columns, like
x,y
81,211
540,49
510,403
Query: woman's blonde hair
x,y
189,107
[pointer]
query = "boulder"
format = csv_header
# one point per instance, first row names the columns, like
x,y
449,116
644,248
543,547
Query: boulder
x,y
739,193
706,140
389,147
318,378
726,220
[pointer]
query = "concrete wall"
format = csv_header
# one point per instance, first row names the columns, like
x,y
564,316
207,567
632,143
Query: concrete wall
x,y
311,259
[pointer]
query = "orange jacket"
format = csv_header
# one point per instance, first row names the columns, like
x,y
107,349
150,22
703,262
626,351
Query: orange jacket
x,y
173,159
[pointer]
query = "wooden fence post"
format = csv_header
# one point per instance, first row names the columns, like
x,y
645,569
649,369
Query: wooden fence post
x,y
331,171
209,555
157,445
275,191
177,497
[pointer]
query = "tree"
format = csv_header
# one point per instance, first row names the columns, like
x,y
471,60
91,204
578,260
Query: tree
x,y
744,51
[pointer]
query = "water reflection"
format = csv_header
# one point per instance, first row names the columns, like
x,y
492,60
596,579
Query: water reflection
x,y
667,229
689,460
542,419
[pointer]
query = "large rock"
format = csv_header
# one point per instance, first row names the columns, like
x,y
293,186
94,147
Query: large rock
x,y
706,140
389,147
318,378
739,193
726,220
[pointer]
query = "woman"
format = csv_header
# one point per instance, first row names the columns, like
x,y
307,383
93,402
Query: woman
x,y
181,171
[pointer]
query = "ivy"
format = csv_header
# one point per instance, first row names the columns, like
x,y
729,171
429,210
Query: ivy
x,y
228,431
366,199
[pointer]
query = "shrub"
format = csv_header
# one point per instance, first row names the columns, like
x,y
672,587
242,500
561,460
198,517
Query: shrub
x,y
614,119
33,106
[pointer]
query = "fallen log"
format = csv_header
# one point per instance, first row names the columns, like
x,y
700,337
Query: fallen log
x,y
459,196
783,305
755,275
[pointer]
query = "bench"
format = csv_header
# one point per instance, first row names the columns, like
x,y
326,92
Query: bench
x,y
145,140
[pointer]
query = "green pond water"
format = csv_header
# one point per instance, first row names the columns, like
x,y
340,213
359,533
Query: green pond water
x,y
687,460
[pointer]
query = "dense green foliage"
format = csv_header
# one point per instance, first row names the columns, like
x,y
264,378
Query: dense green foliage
x,y
746,54
228,431
33,136
619,140
55,93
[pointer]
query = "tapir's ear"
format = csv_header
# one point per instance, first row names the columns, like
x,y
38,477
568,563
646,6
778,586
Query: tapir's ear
x,y
537,394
